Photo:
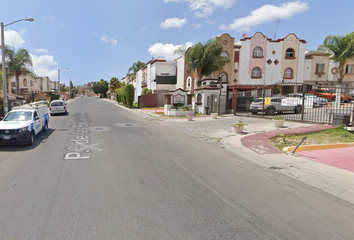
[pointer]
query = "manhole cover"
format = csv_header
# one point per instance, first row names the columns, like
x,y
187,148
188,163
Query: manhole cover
x,y
99,129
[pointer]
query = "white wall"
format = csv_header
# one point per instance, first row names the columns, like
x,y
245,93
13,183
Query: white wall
x,y
244,63
301,63
273,72
180,73
139,78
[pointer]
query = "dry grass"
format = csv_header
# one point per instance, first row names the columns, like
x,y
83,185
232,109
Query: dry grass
x,y
329,136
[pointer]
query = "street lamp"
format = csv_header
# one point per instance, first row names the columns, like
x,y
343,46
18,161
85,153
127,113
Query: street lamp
x,y
59,79
3,59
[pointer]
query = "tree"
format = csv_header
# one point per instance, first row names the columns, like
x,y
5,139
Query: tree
x,y
114,84
100,87
63,88
342,48
134,68
17,63
205,57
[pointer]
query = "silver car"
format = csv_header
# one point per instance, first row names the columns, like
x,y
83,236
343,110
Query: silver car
x,y
276,104
58,107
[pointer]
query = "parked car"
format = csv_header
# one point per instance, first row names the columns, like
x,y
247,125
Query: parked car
x,y
23,123
330,94
58,107
277,104
317,101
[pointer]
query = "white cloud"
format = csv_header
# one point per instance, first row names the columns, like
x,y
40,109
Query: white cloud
x,y
266,13
92,34
173,23
61,24
198,25
40,51
204,8
48,19
166,51
211,23
43,66
13,38
109,40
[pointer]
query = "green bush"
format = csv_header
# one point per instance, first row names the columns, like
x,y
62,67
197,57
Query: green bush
x,y
125,95
147,91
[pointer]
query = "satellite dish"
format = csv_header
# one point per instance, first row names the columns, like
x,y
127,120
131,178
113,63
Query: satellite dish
x,y
244,35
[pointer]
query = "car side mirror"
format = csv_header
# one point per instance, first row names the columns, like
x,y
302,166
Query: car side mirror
x,y
36,118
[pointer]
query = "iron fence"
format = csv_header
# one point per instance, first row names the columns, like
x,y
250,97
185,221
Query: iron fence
x,y
317,105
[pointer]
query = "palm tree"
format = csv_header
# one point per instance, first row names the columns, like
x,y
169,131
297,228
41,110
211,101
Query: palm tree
x,y
17,63
342,48
114,84
205,57
134,68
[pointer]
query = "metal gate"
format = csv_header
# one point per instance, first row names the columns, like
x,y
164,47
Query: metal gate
x,y
317,105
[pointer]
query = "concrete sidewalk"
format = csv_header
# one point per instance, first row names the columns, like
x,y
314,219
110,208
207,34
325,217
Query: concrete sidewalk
x,y
328,170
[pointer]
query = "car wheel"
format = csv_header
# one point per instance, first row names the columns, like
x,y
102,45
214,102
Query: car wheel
x,y
45,127
270,111
51,114
254,113
31,139
66,113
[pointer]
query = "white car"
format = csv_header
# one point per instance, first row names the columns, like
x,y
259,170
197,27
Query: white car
x,y
22,124
58,107
276,104
317,101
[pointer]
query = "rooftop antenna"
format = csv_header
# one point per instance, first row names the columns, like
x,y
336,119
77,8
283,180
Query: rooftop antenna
x,y
276,29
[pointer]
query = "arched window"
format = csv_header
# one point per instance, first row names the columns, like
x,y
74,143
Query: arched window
x,y
223,77
199,98
290,53
257,52
256,72
189,82
224,54
288,73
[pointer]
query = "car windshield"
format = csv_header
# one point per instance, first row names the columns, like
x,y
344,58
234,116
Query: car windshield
x,y
57,104
18,116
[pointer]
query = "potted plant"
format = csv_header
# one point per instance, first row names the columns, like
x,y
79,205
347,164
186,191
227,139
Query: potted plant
x,y
278,121
239,126
190,117
214,115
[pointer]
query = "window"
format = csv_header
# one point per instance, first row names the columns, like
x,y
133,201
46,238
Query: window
x,y
257,52
224,54
189,82
290,53
319,68
223,77
349,69
256,72
199,98
288,73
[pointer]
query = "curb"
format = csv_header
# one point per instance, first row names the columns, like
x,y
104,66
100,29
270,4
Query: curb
x,y
318,147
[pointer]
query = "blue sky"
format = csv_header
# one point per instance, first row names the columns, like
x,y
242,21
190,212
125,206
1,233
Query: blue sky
x,y
101,39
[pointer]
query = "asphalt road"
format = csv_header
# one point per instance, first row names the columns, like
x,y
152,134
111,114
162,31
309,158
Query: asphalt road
x,y
104,172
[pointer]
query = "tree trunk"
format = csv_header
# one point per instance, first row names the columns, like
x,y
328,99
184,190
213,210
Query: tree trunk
x,y
17,85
